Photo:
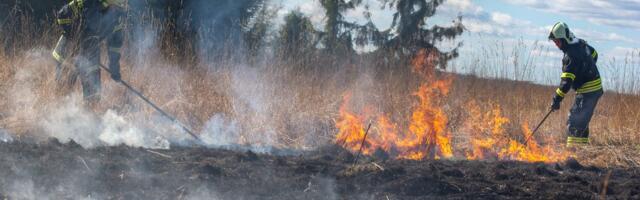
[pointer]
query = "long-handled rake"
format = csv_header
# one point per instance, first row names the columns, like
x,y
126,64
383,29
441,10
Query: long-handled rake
x,y
537,127
173,119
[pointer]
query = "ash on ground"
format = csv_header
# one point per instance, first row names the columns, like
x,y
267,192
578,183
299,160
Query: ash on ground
x,y
52,170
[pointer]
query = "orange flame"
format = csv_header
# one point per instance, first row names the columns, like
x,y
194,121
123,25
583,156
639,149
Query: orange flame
x,y
490,140
532,152
427,135
424,62
350,126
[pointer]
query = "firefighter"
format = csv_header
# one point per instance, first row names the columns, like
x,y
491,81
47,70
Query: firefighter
x,y
89,23
579,71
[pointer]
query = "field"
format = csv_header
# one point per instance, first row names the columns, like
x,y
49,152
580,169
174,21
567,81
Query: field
x,y
57,171
291,127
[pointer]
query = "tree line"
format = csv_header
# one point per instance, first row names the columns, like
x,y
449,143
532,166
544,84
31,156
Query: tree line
x,y
193,28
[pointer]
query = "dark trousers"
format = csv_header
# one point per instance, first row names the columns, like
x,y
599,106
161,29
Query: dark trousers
x,y
580,116
87,67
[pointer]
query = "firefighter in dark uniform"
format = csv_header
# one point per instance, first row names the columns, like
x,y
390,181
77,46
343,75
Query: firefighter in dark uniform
x,y
89,23
579,71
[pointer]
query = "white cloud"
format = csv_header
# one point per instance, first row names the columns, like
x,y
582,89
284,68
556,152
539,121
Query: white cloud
x,y
477,20
618,13
461,6
597,36
501,18
621,53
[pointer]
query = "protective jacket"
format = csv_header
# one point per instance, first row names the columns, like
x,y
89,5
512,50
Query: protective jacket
x,y
579,70
90,21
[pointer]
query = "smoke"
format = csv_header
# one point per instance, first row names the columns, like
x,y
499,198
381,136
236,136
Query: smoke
x,y
72,121
23,189
202,193
5,136
220,131
322,188
260,105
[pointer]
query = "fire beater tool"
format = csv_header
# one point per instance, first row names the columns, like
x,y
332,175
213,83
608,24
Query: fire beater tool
x,y
537,127
362,144
165,114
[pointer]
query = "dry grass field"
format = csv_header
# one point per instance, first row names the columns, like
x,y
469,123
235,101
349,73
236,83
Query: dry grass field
x,y
298,104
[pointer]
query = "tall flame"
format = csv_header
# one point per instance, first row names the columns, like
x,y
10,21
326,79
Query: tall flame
x,y
351,129
427,136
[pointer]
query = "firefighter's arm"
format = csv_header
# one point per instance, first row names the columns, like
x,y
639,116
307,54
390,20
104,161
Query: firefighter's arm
x,y
566,78
115,42
65,21
594,53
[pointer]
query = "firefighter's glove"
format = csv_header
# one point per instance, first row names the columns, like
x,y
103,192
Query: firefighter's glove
x,y
114,68
116,76
115,73
556,103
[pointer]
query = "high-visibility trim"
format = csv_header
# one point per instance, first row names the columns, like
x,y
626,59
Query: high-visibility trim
x,y
115,49
577,140
594,54
590,86
57,56
64,21
568,75
104,3
76,6
560,93
79,3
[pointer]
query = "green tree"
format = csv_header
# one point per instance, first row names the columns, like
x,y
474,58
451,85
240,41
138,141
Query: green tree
x,y
413,34
297,37
255,38
337,31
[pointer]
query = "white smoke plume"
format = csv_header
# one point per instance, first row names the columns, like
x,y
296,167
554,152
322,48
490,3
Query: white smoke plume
x,y
5,136
73,122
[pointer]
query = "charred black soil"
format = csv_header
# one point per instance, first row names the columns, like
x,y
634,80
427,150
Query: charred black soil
x,y
67,171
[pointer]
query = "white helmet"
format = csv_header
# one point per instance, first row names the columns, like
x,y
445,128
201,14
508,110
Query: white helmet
x,y
561,31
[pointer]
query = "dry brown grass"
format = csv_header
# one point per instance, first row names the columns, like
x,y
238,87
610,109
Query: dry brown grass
x,y
299,104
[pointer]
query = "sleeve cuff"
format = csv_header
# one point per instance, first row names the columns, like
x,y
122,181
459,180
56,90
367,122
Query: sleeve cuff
x,y
560,93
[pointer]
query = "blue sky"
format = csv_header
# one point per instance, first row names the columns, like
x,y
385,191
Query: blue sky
x,y
522,26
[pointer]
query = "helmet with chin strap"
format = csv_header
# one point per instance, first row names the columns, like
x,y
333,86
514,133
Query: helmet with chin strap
x,y
561,31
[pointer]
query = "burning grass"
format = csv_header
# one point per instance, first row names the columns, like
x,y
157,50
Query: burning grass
x,y
416,112
429,133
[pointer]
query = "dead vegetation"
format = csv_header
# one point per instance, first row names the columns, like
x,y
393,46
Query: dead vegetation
x,y
297,101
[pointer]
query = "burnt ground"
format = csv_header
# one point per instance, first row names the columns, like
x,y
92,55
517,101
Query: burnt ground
x,y
52,170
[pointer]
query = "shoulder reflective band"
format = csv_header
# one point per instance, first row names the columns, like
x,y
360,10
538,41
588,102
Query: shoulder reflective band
x,y
76,5
568,75
64,21
104,3
594,54
79,3
559,92
590,86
